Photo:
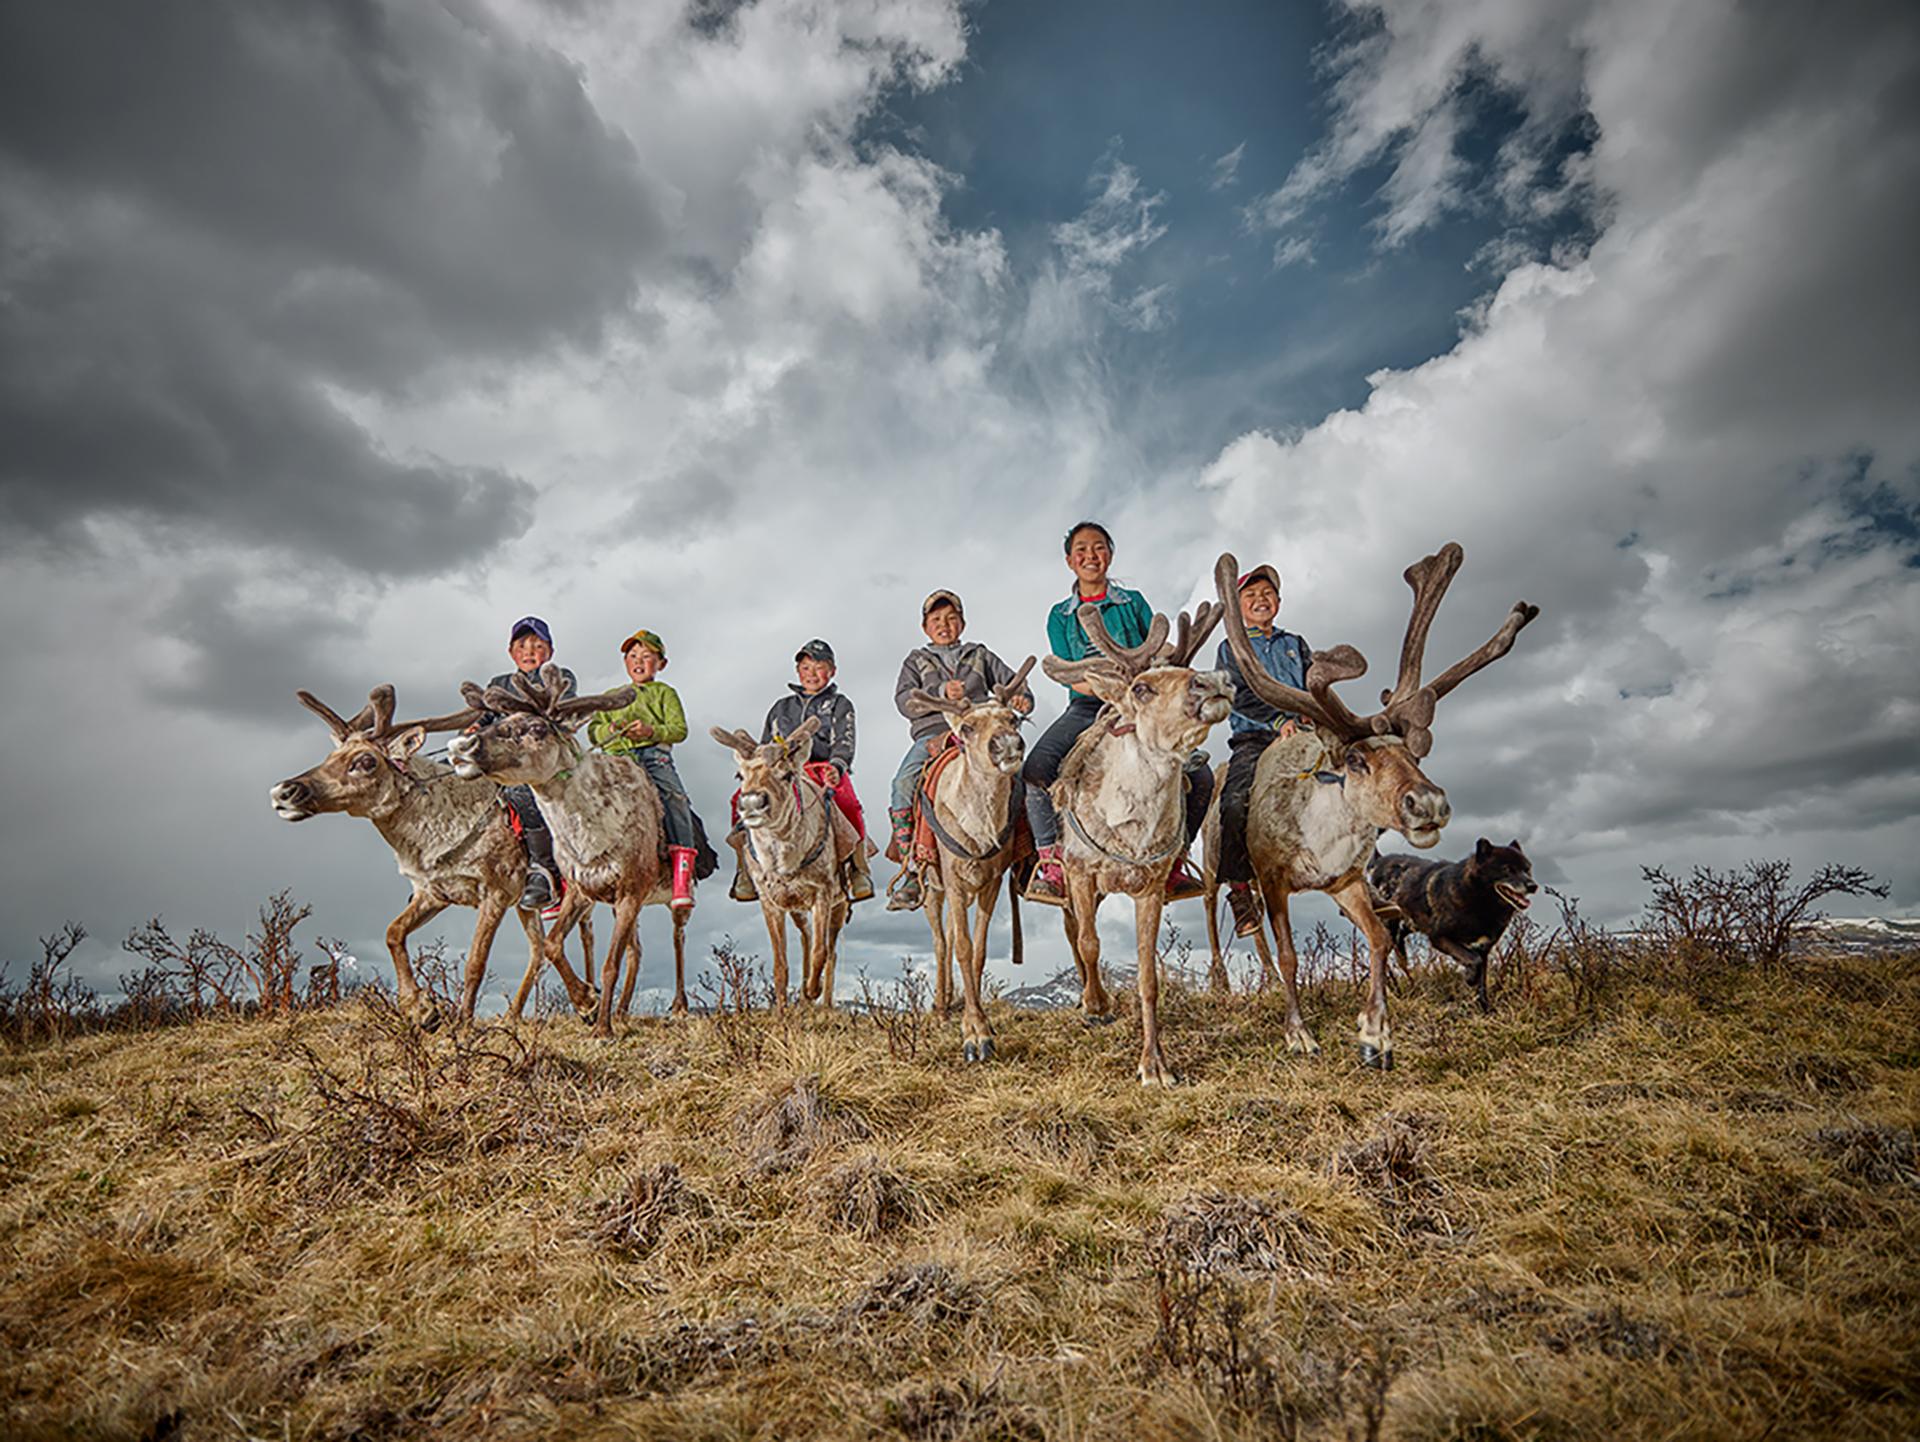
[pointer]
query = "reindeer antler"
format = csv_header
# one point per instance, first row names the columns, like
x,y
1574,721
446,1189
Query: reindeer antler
x,y
544,697
1191,635
741,743
1131,659
1409,706
374,721
1007,691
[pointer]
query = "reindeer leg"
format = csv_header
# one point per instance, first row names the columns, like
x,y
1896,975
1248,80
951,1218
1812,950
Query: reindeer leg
x,y
493,910
1146,926
536,948
776,919
679,1007
977,965
418,912
1217,981
1083,905
577,907
626,923
934,905
1376,1034
976,1039
1299,1039
829,913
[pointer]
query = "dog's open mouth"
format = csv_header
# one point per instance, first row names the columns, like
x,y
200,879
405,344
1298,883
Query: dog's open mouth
x,y
1513,895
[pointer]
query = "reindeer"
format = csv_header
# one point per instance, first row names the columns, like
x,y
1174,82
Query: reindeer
x,y
452,837
1322,798
972,811
796,843
603,810
1120,794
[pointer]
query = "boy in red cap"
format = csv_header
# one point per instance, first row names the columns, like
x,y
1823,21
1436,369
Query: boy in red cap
x,y
1255,725
647,729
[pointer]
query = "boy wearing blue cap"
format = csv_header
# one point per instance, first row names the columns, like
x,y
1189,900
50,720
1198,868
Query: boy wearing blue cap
x,y
530,645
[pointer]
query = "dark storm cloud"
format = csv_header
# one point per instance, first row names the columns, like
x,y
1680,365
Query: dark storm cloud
x,y
246,661
213,213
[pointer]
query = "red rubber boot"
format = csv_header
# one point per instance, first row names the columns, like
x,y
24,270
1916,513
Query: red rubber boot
x,y
682,858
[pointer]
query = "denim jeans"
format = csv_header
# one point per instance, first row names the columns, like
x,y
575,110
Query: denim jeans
x,y
906,780
657,762
1043,766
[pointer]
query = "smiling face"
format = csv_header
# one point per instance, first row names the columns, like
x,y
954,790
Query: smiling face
x,y
814,675
1259,604
529,652
943,625
643,663
1088,556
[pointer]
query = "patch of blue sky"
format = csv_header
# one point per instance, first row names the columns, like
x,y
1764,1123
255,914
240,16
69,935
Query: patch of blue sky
x,y
1051,91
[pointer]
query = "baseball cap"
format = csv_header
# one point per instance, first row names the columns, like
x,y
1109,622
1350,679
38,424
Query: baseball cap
x,y
1260,573
643,637
942,598
815,650
533,624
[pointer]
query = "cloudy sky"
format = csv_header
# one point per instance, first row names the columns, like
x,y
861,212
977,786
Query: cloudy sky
x,y
338,335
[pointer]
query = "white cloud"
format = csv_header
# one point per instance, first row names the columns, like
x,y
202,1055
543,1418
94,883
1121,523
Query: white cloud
x,y
1226,170
1673,440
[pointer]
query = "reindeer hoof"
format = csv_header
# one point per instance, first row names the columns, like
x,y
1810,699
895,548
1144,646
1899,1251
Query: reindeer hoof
x,y
678,1009
1098,1018
981,1050
1162,1077
1371,1056
1301,1043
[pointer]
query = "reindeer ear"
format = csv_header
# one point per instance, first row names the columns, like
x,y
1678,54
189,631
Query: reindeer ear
x,y
802,737
1108,685
400,747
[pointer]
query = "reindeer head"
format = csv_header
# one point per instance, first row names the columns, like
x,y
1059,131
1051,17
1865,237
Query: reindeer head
x,y
532,742
1378,757
990,731
366,773
769,774
1153,686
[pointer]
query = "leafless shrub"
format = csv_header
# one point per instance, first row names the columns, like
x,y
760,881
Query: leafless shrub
x,y
791,1126
1873,1153
732,994
1749,916
868,1198
1586,955
903,1012
205,968
655,1204
271,962
53,1004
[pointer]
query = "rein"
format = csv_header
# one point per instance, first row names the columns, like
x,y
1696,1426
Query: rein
x,y
931,812
1081,832
799,806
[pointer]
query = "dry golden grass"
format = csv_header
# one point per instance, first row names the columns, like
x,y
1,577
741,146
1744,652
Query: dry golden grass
x,y
1656,1215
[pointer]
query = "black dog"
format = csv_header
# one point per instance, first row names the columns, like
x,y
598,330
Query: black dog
x,y
1462,907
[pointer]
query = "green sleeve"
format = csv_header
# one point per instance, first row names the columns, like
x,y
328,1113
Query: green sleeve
x,y
600,728
671,728
1142,616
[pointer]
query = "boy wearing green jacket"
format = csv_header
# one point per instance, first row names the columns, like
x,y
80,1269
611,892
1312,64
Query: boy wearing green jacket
x,y
647,729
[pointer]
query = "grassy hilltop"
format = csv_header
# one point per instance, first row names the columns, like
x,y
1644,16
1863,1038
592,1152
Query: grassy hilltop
x,y
1629,1204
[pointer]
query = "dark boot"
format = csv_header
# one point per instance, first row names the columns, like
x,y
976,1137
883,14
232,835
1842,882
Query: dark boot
x,y
859,879
538,891
1245,907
